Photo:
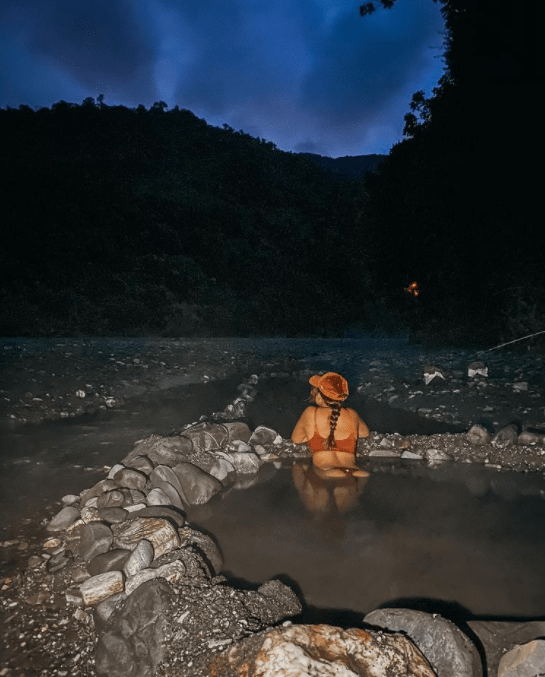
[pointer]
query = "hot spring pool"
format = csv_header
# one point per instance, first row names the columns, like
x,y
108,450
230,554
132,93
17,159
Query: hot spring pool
x,y
457,535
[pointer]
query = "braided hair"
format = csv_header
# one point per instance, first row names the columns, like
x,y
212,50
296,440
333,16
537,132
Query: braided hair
x,y
335,407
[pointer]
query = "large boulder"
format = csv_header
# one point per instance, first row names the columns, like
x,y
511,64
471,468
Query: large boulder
x,y
208,436
197,485
527,660
499,637
312,650
131,644
449,651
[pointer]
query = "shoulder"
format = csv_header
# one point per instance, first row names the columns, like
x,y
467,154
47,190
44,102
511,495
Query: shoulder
x,y
309,412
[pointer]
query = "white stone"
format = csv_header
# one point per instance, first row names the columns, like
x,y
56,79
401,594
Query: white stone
x,y
115,469
98,588
140,558
157,497
159,532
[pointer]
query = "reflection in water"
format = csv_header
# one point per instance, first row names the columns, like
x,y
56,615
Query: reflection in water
x,y
323,492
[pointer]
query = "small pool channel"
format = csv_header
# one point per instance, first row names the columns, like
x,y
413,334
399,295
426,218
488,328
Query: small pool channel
x,y
457,536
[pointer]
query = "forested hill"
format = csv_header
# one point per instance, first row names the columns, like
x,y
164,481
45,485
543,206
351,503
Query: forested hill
x,y
349,166
120,220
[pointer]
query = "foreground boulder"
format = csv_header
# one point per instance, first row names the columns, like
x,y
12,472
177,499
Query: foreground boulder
x,y
449,651
309,650
527,660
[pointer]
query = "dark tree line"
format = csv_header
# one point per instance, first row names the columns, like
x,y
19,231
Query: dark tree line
x,y
457,205
122,220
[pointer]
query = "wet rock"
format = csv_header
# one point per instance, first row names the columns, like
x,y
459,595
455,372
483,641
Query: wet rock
x,y
164,477
478,436
527,438
527,660
263,435
96,538
197,485
431,373
113,515
506,436
132,641
499,637
157,497
237,430
111,499
130,479
411,455
97,588
434,454
63,519
446,647
174,516
97,490
59,561
70,499
105,609
114,469
159,532
245,463
223,470
477,369
141,463
307,650
205,545
170,450
140,558
113,560
208,436
385,453
279,602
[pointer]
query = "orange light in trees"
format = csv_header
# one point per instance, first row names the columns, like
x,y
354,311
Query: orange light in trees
x,y
412,289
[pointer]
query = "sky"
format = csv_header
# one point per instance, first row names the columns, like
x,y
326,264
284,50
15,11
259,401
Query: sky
x,y
308,75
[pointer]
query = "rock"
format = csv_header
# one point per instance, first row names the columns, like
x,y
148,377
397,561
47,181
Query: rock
x,y
238,446
164,477
527,660
70,499
527,438
170,450
263,435
96,538
113,515
59,561
245,463
446,647
105,609
111,499
113,560
97,490
142,464
114,469
411,455
506,436
477,369
157,497
63,519
498,637
139,579
197,485
159,532
520,386
237,430
34,561
166,512
98,588
431,372
208,436
140,558
132,641
205,545
280,602
223,470
385,453
312,650
478,435
433,454
131,479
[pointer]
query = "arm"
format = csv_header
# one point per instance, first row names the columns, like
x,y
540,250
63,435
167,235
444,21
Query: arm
x,y
299,434
363,429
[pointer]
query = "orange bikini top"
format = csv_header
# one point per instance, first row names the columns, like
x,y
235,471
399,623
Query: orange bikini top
x,y
316,442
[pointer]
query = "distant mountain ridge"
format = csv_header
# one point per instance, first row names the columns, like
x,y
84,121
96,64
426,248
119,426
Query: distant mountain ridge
x,y
349,166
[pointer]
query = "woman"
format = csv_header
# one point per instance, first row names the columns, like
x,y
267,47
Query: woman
x,y
330,430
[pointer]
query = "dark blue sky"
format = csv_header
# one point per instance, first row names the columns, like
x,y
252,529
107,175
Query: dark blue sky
x,y
309,75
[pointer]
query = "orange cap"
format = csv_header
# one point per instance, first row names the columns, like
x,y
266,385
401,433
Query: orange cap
x,y
331,385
